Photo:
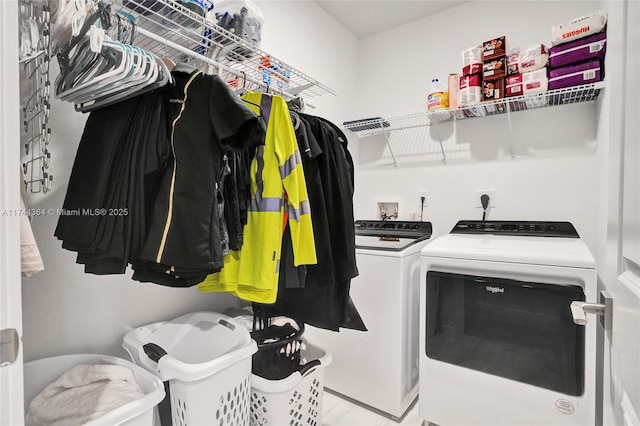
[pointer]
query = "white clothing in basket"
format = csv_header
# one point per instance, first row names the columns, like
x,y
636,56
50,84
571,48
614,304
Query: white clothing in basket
x,y
83,393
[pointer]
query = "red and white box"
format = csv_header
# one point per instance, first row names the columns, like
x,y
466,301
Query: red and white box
x,y
472,60
512,62
533,58
527,84
578,28
470,90
513,85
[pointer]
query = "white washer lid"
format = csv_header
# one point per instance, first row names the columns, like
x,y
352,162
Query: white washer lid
x,y
551,251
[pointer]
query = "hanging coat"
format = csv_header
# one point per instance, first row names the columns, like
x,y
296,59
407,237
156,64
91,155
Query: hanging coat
x,y
123,149
277,185
324,300
206,118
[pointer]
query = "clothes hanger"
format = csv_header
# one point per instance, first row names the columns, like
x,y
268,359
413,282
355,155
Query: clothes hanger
x,y
295,119
137,70
123,57
98,70
63,55
69,20
164,79
140,73
143,70
241,91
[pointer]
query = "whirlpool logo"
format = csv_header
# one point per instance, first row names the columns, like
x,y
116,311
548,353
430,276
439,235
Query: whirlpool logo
x,y
494,290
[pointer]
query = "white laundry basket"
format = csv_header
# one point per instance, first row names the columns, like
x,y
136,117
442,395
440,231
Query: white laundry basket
x,y
205,357
40,373
295,400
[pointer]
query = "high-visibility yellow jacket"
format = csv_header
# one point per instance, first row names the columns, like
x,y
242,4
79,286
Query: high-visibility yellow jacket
x,y
278,193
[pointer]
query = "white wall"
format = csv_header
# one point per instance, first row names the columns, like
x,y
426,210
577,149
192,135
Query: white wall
x,y
305,36
68,311
553,175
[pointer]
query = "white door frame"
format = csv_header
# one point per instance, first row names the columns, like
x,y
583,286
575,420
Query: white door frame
x,y
621,270
625,336
11,377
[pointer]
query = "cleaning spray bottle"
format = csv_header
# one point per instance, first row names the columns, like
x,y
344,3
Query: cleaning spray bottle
x,y
438,96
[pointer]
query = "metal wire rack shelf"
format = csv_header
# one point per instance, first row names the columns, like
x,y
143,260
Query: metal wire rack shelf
x,y
552,98
569,95
35,106
565,96
168,29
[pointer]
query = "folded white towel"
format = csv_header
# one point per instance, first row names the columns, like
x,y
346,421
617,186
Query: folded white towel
x,y
83,393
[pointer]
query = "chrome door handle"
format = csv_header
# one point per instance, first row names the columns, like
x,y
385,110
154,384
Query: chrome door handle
x,y
579,310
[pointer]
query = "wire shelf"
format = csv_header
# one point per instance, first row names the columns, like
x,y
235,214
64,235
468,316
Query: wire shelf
x,y
565,96
168,28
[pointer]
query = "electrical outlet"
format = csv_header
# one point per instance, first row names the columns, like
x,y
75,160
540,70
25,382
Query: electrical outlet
x,y
492,198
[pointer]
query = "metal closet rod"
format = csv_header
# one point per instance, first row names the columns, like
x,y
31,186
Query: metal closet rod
x,y
195,55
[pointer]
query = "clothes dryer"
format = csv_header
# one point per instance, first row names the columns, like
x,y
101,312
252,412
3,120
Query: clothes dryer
x,y
378,368
498,344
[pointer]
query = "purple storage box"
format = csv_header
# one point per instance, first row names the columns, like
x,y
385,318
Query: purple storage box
x,y
590,47
574,75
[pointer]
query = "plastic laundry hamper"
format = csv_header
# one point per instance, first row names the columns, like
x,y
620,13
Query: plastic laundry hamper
x,y
40,373
295,400
205,357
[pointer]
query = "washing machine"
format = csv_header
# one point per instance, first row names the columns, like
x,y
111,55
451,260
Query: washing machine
x,y
498,344
378,368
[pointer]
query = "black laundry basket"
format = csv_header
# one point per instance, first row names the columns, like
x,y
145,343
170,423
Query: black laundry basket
x,y
278,354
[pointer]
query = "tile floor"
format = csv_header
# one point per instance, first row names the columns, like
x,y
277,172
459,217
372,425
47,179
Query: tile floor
x,y
340,412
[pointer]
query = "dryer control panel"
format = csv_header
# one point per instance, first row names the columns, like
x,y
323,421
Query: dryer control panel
x,y
523,228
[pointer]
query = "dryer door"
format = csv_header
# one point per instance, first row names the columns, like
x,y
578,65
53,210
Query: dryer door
x,y
518,330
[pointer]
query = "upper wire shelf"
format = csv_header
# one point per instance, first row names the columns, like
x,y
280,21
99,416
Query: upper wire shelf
x,y
169,29
569,95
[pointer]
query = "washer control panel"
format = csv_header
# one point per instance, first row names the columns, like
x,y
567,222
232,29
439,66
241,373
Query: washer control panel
x,y
524,228
396,228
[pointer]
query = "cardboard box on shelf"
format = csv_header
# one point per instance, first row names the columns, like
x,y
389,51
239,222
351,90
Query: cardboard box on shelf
x,y
493,89
494,68
454,90
494,48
